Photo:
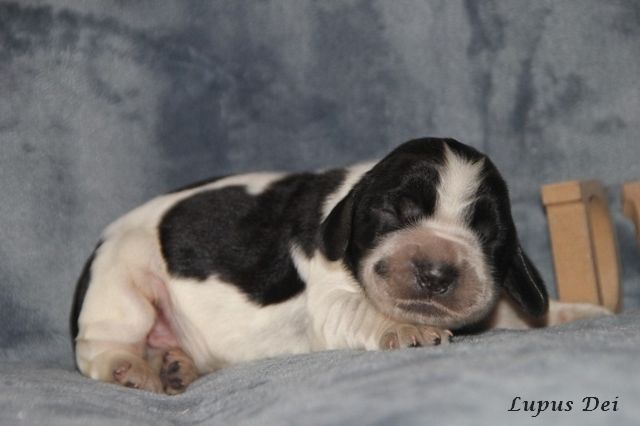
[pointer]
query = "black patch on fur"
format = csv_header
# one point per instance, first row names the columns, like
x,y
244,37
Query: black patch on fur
x,y
81,290
244,238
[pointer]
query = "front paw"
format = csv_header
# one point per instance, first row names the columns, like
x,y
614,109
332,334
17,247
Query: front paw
x,y
413,336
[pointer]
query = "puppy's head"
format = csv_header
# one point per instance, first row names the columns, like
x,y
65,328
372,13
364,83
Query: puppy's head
x,y
428,233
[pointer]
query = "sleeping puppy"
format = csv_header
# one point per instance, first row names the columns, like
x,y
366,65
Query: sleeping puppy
x,y
375,256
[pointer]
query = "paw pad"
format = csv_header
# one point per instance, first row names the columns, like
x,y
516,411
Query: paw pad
x,y
177,372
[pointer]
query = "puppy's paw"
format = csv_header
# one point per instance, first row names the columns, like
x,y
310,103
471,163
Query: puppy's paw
x,y
412,336
562,312
178,371
137,375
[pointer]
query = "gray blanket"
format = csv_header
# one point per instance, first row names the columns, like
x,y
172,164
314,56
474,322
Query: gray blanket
x,y
473,381
105,104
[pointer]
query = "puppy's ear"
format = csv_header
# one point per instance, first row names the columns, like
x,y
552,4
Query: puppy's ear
x,y
525,286
336,229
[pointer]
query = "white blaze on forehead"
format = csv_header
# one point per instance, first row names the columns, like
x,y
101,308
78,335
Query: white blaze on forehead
x,y
459,182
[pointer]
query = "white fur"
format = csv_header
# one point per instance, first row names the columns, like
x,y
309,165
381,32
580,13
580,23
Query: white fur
x,y
214,322
129,276
507,315
340,316
459,180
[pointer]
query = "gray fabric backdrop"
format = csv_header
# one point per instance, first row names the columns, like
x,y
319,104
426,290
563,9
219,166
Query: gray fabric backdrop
x,y
105,104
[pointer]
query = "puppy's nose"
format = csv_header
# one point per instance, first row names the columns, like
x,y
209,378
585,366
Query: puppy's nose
x,y
435,277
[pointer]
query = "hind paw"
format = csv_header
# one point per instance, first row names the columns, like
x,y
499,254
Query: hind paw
x,y
178,371
138,375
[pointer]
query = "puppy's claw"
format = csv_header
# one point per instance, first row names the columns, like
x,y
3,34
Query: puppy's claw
x,y
389,340
120,371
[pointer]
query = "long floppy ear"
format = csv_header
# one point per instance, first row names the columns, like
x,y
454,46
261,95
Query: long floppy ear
x,y
336,229
525,286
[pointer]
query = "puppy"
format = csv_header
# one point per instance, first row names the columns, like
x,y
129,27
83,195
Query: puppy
x,y
375,256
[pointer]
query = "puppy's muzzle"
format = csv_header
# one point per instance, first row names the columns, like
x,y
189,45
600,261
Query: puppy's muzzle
x,y
434,278
428,278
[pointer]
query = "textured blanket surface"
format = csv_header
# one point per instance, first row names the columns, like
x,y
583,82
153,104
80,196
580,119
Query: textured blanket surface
x,y
473,381
105,104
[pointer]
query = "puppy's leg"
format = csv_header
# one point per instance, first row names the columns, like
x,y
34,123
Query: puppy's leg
x,y
348,320
507,315
117,315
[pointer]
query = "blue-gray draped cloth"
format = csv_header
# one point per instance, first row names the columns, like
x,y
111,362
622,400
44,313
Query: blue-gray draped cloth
x,y
105,104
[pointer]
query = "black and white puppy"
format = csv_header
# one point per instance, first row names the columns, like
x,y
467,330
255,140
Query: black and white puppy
x,y
375,256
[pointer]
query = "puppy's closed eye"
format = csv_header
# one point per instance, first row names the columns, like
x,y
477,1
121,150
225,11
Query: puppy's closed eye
x,y
409,210
386,213
402,211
